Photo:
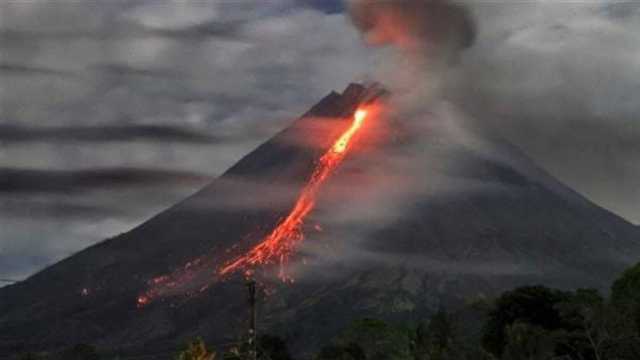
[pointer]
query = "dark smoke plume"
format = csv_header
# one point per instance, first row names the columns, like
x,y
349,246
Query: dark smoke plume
x,y
438,27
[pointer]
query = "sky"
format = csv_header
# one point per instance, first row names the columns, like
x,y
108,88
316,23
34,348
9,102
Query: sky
x,y
111,111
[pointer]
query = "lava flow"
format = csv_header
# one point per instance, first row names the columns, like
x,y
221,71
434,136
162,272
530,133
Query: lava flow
x,y
278,246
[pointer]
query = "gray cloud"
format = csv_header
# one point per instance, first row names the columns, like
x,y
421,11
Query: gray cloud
x,y
554,78
551,77
50,181
184,87
62,210
203,82
19,69
13,133
438,28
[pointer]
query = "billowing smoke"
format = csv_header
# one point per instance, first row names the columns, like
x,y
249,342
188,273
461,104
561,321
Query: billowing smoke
x,y
550,77
438,28
426,38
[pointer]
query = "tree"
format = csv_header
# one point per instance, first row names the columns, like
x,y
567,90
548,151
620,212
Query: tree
x,y
196,350
272,347
376,338
528,342
437,340
81,352
350,351
440,339
625,294
30,356
534,305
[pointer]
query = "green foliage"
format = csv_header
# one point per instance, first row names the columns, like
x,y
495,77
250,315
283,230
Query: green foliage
x,y
377,339
234,354
597,329
80,352
30,356
437,340
351,351
440,340
272,348
537,323
196,350
535,305
528,342
625,294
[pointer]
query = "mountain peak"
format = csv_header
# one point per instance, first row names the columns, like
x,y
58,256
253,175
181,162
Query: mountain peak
x,y
437,251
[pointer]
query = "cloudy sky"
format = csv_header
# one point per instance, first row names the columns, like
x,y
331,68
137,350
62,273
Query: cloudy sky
x,y
111,111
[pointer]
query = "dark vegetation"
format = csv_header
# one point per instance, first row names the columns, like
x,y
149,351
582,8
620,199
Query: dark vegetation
x,y
527,323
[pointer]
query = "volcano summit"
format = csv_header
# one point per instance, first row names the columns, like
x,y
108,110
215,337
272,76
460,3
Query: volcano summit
x,y
515,225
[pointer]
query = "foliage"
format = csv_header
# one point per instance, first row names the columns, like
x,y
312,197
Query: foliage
x,y
625,294
535,305
437,340
528,342
538,322
196,350
599,330
234,353
351,351
440,340
377,339
272,347
80,352
30,356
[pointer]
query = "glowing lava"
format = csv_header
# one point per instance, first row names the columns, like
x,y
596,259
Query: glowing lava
x,y
278,246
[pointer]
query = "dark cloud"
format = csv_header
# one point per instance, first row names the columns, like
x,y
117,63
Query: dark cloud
x,y
188,87
227,30
622,9
327,6
553,78
14,133
147,84
51,181
59,209
439,28
127,70
20,69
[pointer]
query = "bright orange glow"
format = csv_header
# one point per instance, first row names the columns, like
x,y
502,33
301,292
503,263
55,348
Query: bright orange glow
x,y
143,300
342,143
278,246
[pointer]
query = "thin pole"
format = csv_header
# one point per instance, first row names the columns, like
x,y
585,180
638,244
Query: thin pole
x,y
253,353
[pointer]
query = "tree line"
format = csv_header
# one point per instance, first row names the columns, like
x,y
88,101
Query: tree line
x,y
526,323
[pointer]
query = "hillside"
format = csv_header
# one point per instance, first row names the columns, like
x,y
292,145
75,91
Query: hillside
x,y
520,227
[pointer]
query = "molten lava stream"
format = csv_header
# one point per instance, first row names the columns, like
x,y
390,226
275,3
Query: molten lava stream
x,y
278,246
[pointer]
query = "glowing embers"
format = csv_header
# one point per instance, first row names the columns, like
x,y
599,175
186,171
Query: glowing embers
x,y
276,248
280,244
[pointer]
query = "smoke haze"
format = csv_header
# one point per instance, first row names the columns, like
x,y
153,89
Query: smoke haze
x,y
189,87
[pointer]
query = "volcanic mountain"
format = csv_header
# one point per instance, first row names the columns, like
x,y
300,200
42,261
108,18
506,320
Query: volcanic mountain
x,y
474,225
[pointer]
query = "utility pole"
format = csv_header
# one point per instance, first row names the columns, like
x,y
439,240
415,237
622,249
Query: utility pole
x,y
251,286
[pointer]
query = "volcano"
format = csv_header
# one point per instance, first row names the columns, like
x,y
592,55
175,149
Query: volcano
x,y
520,226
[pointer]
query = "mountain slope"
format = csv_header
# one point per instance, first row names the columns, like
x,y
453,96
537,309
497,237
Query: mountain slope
x,y
523,227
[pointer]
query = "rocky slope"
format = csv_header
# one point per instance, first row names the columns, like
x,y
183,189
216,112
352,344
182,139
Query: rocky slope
x,y
520,227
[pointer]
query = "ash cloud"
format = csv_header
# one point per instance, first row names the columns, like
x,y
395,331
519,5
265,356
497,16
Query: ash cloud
x,y
553,78
539,75
438,27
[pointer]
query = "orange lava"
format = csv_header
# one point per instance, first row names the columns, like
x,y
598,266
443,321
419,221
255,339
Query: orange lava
x,y
278,246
